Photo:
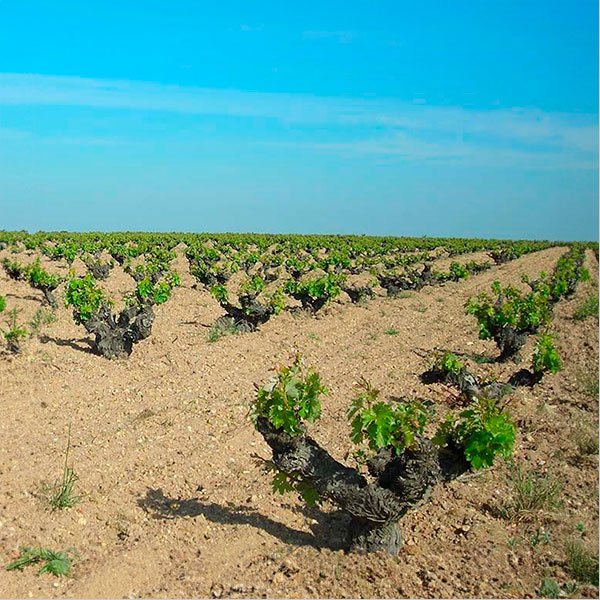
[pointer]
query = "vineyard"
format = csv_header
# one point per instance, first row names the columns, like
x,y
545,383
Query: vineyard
x,y
245,415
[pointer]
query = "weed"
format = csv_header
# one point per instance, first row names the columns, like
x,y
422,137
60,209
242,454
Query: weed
x,y
315,337
42,316
391,331
481,359
549,589
533,492
585,440
570,589
587,308
589,384
580,527
60,495
56,563
15,333
582,563
221,329
539,536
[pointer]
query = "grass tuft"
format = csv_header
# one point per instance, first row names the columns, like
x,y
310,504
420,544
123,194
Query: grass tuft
x,y
533,492
42,316
60,495
585,440
589,384
221,329
581,563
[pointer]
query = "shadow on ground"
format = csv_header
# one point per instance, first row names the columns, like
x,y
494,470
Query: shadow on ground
x,y
26,297
328,529
75,344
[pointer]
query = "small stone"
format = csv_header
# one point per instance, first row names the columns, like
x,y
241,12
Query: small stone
x,y
278,578
289,567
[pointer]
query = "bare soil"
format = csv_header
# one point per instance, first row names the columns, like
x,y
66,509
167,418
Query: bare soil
x,y
175,501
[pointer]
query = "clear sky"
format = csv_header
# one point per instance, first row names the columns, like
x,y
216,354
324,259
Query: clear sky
x,y
437,117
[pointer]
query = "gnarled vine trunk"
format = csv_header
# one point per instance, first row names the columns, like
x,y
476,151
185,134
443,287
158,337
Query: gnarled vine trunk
x,y
49,296
468,384
359,293
510,341
251,314
115,336
400,483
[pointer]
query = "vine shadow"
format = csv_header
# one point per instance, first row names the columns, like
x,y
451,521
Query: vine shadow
x,y
328,530
45,339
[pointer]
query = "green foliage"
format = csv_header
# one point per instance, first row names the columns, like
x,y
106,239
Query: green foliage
x,y
253,286
545,355
284,482
567,273
482,430
2,303
219,293
448,363
458,271
582,563
277,301
291,397
15,333
55,563
40,278
149,292
84,295
381,424
14,269
587,308
512,308
326,287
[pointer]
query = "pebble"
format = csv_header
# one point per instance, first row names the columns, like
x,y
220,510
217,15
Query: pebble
x,y
278,578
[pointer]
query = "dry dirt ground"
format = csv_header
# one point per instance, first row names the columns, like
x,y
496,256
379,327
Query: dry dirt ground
x,y
175,503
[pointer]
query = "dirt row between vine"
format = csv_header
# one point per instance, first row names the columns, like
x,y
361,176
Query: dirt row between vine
x,y
174,503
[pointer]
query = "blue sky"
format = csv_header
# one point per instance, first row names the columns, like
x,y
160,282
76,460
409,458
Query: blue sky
x,y
461,118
